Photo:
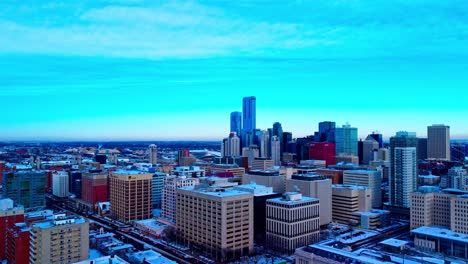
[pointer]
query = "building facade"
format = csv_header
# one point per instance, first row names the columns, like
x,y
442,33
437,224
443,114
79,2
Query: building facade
x,y
26,188
346,140
323,151
95,187
371,179
347,200
438,142
153,154
60,184
9,216
171,184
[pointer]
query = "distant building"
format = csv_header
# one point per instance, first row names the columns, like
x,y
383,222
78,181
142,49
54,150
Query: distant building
x,y
347,200
236,122
422,148
153,154
262,164
9,216
346,140
276,150
228,168
169,203
326,132
323,151
17,247
370,150
94,188
292,221
75,183
26,188
65,239
130,195
438,142
249,119
371,179
268,178
278,132
457,178
60,184
336,176
157,189
219,222
189,171
378,137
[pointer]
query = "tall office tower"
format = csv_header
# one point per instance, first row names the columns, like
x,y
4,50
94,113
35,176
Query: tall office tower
x,y
249,118
60,184
422,148
153,154
236,122
347,200
287,137
95,188
219,221
265,145
234,145
157,188
278,132
326,132
403,168
17,247
65,239
292,221
323,151
9,215
317,186
251,153
276,150
346,140
26,188
457,178
130,195
75,183
261,195
171,184
369,150
378,137
371,179
438,142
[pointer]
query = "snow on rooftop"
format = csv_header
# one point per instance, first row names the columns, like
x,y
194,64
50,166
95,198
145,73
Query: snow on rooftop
x,y
394,242
441,233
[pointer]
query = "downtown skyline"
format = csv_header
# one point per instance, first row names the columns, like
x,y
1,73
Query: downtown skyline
x,y
175,70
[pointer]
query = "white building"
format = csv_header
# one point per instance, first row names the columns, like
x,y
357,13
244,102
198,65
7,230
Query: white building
x,y
60,184
171,184
369,178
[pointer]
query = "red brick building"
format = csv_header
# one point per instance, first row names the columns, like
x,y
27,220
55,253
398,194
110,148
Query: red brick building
x,y
17,250
9,216
94,187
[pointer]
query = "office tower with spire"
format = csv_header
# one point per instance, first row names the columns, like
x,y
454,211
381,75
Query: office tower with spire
x,y
438,142
153,154
236,122
249,120
346,140
403,168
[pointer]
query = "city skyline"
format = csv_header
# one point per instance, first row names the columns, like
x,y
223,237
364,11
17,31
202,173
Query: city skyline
x,y
175,70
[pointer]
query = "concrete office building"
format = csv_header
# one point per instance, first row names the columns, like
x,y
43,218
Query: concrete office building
x,y
347,200
370,150
171,184
403,170
292,221
438,142
315,186
130,195
153,154
60,184
228,168
65,239
219,222
262,164
459,214
268,178
371,179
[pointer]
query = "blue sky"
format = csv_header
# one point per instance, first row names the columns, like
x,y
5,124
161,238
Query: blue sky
x,y
130,69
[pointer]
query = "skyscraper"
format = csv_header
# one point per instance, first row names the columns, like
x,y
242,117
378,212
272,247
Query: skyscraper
x,y
234,145
265,145
378,137
370,146
438,142
278,132
236,122
276,150
60,184
287,137
326,132
403,168
249,120
153,154
346,140
422,148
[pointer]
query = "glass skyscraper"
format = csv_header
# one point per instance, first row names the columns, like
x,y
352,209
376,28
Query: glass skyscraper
x,y
249,118
346,140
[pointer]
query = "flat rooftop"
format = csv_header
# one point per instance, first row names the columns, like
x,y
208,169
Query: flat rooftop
x,y
394,242
281,200
441,233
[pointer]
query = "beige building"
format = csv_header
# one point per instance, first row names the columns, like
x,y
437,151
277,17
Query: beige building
x,y
65,239
347,200
234,168
130,195
430,208
262,164
169,196
438,142
316,186
217,221
268,178
459,217
372,179
292,221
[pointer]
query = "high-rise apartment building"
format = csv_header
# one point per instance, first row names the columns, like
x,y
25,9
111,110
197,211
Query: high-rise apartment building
x,y
236,123
171,184
346,140
438,142
323,151
249,119
130,195
60,184
347,200
65,239
9,216
276,150
292,221
95,187
403,168
220,222
153,154
26,188
371,179
17,247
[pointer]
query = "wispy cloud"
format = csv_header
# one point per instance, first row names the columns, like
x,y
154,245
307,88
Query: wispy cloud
x,y
188,29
